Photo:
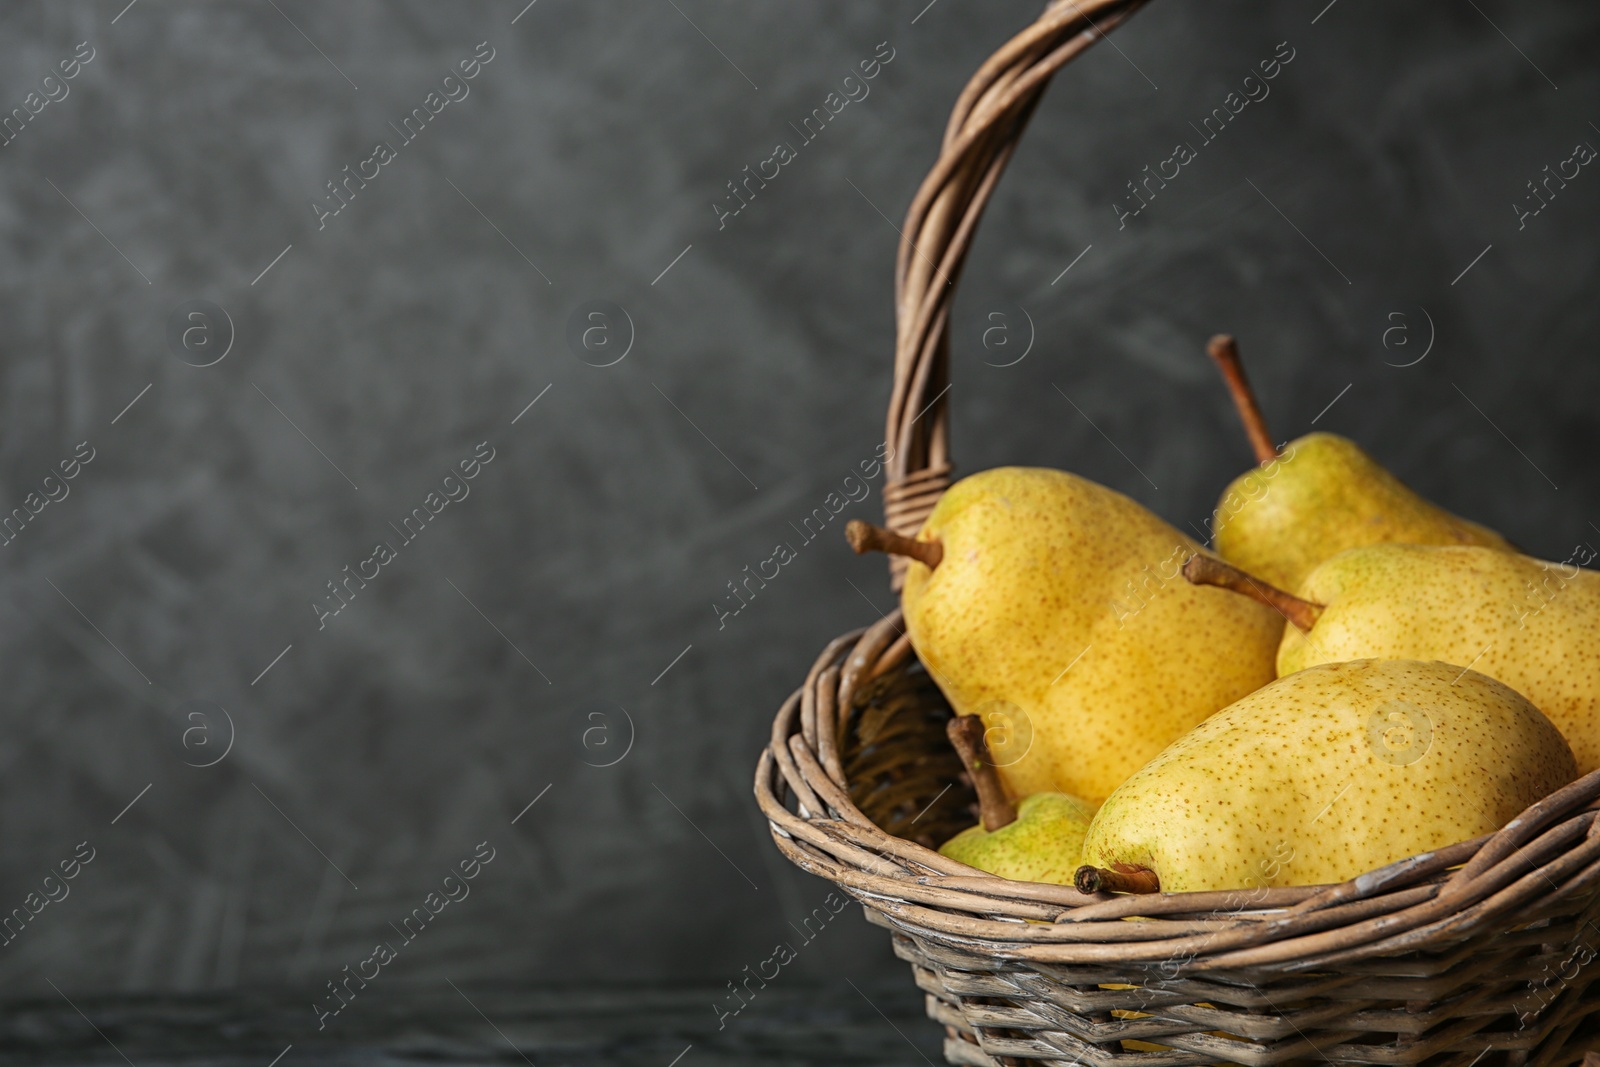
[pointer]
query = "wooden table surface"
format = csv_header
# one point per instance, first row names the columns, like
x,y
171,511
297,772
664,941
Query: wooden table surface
x,y
647,1026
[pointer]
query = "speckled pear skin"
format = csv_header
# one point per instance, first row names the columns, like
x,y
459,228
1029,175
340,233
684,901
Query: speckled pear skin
x,y
1044,844
1320,497
1327,774
1533,625
1040,565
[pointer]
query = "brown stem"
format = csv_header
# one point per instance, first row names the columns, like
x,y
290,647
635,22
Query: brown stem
x,y
1208,570
994,807
865,537
1224,351
1118,878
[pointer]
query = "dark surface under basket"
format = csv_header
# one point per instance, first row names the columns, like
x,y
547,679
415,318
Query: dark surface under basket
x,y
795,1023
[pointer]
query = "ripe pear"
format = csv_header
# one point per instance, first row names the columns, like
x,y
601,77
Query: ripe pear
x,y
1044,844
1321,495
1326,774
1038,840
1532,624
1052,607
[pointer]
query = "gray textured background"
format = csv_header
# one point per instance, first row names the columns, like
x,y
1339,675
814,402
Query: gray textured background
x,y
597,542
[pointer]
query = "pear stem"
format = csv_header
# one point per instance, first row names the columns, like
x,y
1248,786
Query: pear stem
x,y
994,807
1224,351
1118,878
865,537
1208,570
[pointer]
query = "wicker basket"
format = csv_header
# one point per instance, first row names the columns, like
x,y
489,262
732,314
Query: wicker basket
x,y
1475,953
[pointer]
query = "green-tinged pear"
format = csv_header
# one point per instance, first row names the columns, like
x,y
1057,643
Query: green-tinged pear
x,y
1039,840
1324,775
1045,844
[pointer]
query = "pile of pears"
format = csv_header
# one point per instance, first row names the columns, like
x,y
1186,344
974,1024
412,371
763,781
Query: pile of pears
x,y
1352,676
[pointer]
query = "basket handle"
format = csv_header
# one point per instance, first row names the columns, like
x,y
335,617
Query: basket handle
x,y
983,131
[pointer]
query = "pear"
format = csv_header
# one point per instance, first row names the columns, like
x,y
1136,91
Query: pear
x,y
1326,774
1038,840
1321,495
1044,844
1052,607
1532,624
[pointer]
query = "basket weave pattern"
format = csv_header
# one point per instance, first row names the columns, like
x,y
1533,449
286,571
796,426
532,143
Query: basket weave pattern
x,y
1475,953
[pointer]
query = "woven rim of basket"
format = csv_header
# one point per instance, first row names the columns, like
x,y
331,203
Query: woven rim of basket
x,y
1544,857
1538,865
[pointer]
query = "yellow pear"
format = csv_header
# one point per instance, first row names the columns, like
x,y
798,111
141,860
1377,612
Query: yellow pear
x,y
1532,624
1038,840
1321,495
1053,607
1326,774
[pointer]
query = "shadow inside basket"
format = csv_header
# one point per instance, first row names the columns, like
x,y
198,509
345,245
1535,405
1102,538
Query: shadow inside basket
x,y
897,759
